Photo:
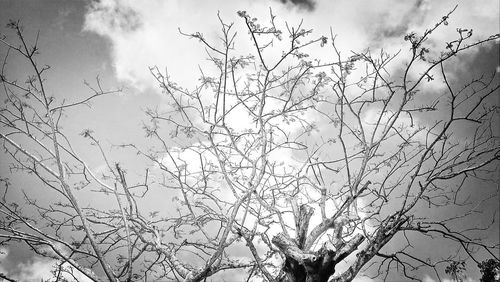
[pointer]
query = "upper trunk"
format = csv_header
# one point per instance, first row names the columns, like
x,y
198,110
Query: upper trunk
x,y
303,265
318,270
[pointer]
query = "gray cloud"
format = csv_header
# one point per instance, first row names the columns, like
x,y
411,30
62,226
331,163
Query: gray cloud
x,y
308,5
116,16
385,29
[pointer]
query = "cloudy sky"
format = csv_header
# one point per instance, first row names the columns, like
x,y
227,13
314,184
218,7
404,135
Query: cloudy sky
x,y
119,40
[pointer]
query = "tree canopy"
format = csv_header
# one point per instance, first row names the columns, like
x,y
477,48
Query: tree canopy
x,y
278,165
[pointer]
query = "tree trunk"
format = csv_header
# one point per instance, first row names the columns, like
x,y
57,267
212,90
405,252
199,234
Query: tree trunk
x,y
300,266
303,265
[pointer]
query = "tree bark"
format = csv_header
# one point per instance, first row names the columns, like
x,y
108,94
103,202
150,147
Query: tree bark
x,y
300,266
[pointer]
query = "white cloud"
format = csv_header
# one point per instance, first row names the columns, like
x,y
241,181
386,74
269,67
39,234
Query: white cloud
x,y
38,268
144,34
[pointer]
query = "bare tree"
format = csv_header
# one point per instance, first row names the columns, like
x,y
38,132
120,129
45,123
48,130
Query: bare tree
x,y
277,164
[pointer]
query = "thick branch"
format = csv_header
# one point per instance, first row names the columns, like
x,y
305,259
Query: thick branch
x,y
290,249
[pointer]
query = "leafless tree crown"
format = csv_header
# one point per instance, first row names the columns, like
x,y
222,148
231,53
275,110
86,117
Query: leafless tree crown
x,y
276,164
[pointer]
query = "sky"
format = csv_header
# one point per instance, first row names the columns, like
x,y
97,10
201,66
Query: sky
x,y
119,40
